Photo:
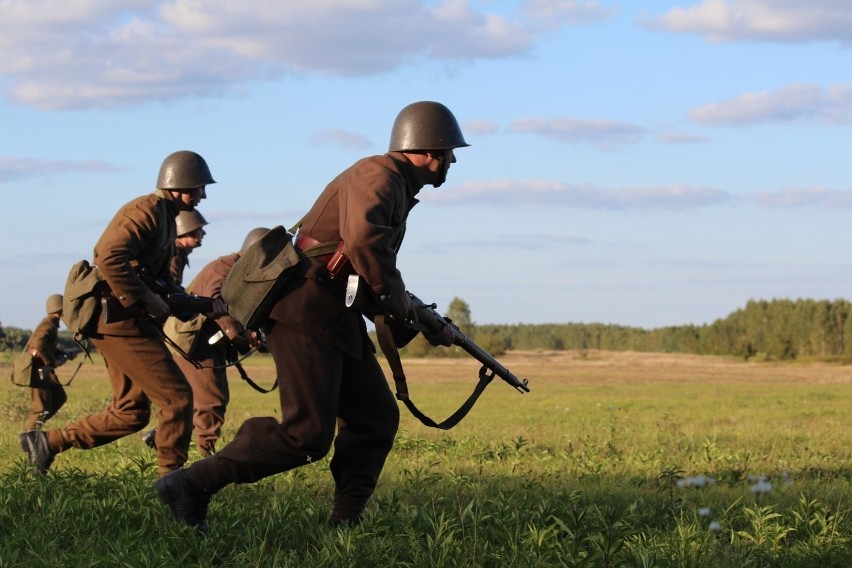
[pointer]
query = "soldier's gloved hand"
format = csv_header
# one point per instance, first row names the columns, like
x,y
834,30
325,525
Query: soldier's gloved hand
x,y
442,338
220,308
154,305
401,308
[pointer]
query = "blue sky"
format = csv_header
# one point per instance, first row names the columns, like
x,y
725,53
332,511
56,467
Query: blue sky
x,y
643,163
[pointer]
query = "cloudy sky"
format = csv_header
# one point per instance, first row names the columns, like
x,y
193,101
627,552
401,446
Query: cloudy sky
x,y
649,166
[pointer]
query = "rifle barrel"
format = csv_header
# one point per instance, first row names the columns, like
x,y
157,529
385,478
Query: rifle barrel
x,y
490,362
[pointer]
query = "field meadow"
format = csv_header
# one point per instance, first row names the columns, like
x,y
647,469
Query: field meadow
x,y
613,459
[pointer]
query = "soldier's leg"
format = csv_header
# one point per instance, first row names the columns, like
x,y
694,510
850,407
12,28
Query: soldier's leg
x,y
210,398
309,383
40,397
141,370
56,397
369,418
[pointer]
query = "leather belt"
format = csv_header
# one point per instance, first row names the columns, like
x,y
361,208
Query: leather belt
x,y
305,242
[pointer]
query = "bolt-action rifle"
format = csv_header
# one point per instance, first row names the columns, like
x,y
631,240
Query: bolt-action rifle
x,y
430,322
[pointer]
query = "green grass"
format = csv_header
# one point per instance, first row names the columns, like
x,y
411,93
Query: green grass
x,y
593,468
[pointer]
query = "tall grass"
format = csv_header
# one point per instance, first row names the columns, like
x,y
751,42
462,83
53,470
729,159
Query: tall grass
x,y
614,459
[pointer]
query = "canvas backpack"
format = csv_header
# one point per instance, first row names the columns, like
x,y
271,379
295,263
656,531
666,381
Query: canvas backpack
x,y
82,297
256,280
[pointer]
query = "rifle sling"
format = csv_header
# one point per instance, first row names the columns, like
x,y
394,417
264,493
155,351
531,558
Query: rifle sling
x,y
251,383
386,342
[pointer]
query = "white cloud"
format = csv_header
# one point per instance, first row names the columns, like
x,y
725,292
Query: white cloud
x,y
581,196
558,12
479,127
804,197
792,102
602,133
343,138
22,168
671,137
762,20
102,53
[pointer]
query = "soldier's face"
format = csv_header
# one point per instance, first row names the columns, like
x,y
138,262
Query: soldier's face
x,y
442,166
190,198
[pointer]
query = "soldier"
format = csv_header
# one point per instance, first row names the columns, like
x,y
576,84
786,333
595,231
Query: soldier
x,y
190,233
329,376
135,250
48,394
209,384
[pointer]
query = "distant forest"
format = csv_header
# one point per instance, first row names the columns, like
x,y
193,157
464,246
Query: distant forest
x,y
777,329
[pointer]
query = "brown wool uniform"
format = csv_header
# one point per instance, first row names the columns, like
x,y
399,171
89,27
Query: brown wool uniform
x,y
140,367
210,383
179,263
48,395
326,366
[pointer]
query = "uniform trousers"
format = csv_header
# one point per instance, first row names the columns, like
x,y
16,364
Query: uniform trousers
x,y
141,371
48,396
210,393
321,389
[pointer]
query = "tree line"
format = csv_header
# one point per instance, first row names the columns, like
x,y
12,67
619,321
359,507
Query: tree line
x,y
778,329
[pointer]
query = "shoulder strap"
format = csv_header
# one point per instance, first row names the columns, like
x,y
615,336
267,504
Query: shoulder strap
x,y
386,342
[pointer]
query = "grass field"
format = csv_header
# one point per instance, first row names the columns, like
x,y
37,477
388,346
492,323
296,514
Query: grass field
x,y
613,459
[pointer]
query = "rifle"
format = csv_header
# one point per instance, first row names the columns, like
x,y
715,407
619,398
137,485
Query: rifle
x,y
430,321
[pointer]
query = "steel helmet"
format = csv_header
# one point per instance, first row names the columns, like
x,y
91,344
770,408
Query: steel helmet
x,y
188,221
425,125
253,236
54,303
184,170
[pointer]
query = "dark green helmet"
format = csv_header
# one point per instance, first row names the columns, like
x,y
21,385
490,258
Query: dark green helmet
x,y
188,221
184,170
53,304
253,236
425,125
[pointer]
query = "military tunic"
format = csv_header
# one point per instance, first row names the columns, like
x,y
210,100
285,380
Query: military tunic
x,y
329,377
179,264
139,239
48,395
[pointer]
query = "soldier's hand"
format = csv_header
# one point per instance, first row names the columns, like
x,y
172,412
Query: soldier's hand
x,y
155,306
401,308
220,308
443,338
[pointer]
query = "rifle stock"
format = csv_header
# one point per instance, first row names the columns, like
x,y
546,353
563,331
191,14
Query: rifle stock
x,y
432,322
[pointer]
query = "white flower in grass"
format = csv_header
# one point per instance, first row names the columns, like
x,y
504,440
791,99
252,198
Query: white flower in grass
x,y
788,481
704,512
715,526
699,480
762,486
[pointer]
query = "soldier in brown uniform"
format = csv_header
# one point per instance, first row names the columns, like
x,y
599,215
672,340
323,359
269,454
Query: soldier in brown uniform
x,y
190,232
140,240
48,394
326,365
209,384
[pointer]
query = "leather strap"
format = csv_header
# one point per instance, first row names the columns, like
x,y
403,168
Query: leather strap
x,y
386,342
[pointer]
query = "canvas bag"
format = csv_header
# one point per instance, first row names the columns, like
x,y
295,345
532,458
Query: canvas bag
x,y
254,283
81,298
185,333
22,369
